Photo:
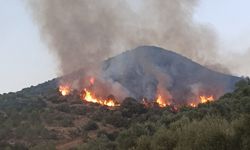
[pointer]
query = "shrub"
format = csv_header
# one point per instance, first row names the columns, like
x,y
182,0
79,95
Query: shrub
x,y
79,110
63,108
116,119
130,106
91,125
242,133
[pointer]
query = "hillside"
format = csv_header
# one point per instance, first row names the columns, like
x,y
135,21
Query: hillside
x,y
39,117
50,121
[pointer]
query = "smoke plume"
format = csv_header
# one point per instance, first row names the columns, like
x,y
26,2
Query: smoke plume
x,y
238,62
82,33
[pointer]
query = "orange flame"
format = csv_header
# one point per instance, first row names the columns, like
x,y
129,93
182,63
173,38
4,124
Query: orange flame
x,y
202,99
205,99
110,103
161,102
90,97
193,105
65,90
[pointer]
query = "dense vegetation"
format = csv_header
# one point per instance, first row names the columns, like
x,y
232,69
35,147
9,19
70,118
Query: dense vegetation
x,y
50,121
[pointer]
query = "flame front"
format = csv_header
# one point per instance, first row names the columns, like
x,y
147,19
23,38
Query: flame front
x,y
110,103
65,90
205,99
202,99
86,95
161,102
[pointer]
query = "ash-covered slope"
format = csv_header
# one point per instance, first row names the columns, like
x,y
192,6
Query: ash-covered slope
x,y
147,70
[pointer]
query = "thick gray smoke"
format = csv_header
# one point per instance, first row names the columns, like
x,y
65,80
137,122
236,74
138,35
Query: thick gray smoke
x,y
238,62
82,33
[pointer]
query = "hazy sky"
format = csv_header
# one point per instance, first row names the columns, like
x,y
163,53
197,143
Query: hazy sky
x,y
25,59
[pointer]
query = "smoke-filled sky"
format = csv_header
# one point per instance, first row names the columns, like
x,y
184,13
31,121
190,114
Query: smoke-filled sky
x,y
218,29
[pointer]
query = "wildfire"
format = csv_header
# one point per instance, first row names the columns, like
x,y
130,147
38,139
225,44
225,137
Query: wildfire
x,y
161,102
204,99
193,105
65,90
110,103
90,97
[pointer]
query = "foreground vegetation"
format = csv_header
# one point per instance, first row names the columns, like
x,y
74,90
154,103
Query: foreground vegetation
x,y
50,121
